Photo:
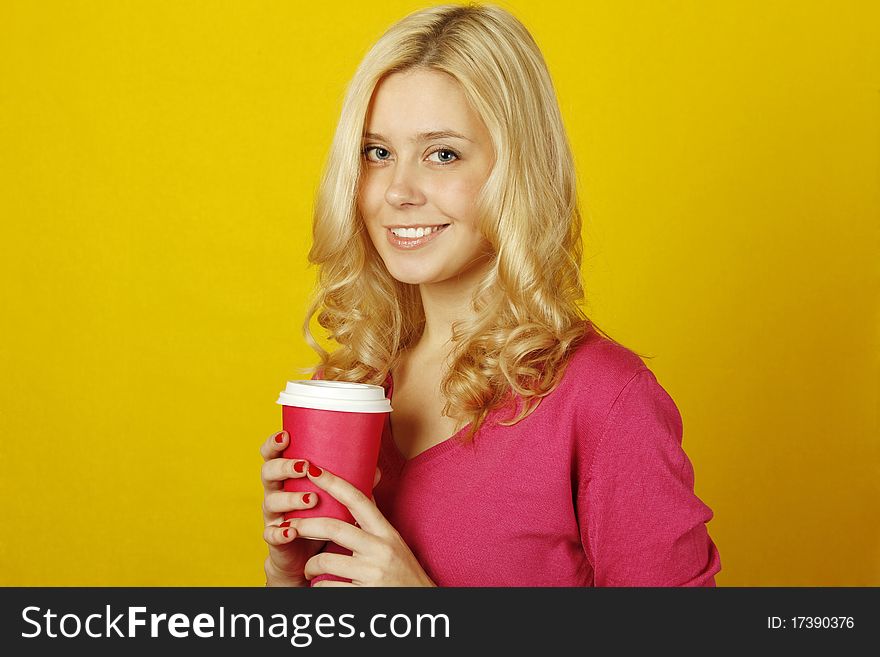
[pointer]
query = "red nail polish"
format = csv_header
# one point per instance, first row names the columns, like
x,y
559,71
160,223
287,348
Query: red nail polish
x,y
285,532
279,437
299,466
306,498
286,523
314,470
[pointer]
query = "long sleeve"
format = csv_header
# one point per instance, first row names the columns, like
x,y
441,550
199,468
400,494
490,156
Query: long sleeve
x,y
641,522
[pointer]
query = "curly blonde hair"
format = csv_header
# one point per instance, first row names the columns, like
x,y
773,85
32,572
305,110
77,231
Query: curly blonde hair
x,y
526,320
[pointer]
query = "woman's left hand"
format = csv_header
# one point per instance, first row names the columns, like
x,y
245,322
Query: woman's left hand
x,y
379,555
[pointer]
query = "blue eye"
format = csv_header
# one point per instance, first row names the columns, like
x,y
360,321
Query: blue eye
x,y
446,150
382,154
375,148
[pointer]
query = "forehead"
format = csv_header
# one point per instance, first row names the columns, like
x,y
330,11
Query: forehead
x,y
420,100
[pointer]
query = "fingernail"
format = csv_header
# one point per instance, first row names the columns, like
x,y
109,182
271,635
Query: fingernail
x,y
306,498
286,523
299,466
279,437
285,532
314,470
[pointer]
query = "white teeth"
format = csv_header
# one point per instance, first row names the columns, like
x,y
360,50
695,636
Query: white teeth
x,y
414,232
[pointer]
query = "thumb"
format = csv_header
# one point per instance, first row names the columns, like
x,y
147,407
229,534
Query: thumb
x,y
377,478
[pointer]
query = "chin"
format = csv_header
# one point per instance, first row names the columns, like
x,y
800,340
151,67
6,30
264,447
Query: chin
x,y
404,274
411,279
411,275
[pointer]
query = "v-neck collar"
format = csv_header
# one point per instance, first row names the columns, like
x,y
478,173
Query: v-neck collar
x,y
424,456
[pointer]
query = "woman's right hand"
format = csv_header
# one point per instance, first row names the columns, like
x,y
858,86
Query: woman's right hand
x,y
287,554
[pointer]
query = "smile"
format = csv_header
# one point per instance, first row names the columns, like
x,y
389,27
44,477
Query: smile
x,y
409,243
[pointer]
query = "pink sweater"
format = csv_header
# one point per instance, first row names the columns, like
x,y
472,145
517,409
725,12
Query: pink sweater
x,y
592,489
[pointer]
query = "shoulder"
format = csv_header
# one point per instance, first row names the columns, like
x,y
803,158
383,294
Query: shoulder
x,y
598,370
608,389
620,405
600,353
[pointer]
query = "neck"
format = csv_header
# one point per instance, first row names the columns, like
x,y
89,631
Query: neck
x,y
445,303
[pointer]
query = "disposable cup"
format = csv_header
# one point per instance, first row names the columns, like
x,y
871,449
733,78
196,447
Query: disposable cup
x,y
336,425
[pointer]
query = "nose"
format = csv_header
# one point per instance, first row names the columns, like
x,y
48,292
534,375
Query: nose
x,y
404,187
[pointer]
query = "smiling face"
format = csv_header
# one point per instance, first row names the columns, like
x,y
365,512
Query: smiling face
x,y
413,178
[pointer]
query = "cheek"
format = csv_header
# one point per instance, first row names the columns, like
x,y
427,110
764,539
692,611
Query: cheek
x,y
368,202
373,230
457,199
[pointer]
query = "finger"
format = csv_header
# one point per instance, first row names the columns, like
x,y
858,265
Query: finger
x,y
272,446
280,534
361,507
331,582
330,563
275,471
270,517
278,502
376,479
338,531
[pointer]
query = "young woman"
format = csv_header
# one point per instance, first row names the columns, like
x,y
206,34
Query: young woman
x,y
526,447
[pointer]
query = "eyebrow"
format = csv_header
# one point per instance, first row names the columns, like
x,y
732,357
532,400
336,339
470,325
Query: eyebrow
x,y
422,136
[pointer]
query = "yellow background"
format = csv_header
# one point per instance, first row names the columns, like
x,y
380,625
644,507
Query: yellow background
x,y
157,168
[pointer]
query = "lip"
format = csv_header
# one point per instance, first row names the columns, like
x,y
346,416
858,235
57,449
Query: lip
x,y
410,244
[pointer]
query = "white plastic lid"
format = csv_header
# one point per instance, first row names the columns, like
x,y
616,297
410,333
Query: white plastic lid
x,y
335,396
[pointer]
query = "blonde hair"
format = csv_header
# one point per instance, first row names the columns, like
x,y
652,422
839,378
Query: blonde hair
x,y
525,319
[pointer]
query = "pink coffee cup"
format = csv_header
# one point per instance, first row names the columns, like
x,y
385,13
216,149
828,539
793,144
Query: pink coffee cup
x,y
335,425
